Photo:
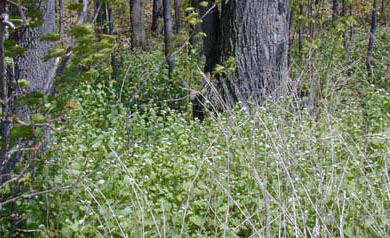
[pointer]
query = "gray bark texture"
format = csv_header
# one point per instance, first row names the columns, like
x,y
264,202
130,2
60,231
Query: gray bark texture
x,y
256,34
30,65
138,23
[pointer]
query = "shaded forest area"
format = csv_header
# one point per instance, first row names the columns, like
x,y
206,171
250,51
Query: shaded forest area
x,y
194,118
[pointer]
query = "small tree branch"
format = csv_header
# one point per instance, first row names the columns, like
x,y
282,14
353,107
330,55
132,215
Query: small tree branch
x,y
16,4
32,195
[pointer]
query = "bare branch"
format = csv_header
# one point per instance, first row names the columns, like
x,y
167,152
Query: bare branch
x,y
16,4
32,195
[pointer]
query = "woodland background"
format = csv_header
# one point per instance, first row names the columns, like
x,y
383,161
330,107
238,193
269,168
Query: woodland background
x,y
135,118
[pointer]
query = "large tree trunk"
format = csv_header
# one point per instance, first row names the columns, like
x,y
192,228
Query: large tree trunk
x,y
138,23
30,65
256,34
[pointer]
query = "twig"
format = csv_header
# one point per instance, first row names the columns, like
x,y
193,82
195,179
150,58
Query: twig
x,y
28,231
53,190
16,4
20,9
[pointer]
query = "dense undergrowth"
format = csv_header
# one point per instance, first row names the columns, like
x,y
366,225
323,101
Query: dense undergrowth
x,y
310,167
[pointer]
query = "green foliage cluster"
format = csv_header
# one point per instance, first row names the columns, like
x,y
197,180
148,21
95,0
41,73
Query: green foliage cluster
x,y
144,80
156,173
146,170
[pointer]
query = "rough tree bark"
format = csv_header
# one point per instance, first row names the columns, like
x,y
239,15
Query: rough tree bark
x,y
256,34
167,5
138,23
30,65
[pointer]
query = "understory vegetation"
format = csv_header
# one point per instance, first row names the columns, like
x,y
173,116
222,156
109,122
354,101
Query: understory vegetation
x,y
128,160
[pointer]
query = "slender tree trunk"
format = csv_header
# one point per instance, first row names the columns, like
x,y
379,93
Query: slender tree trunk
x,y
156,16
111,32
101,17
5,120
335,9
138,23
351,29
177,17
310,29
291,36
300,33
255,33
344,14
30,65
167,5
383,12
61,17
371,40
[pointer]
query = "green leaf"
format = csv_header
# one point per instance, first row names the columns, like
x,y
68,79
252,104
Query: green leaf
x,y
55,52
200,35
13,48
50,37
197,220
81,30
189,9
38,118
23,83
73,104
21,132
219,69
75,7
203,4
32,99
97,143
